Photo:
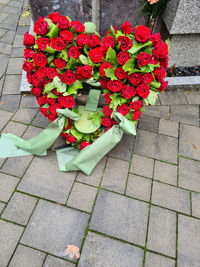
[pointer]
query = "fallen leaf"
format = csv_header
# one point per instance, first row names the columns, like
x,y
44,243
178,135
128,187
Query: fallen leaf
x,y
169,114
187,92
24,105
72,251
58,203
26,14
3,103
25,94
194,146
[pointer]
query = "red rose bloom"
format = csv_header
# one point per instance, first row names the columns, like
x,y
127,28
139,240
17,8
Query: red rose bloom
x,y
104,65
29,77
50,100
135,79
126,43
103,82
126,27
51,72
46,81
37,79
106,43
115,86
66,101
114,28
39,59
70,139
136,115
164,62
147,78
136,105
163,86
142,34
41,27
160,50
123,109
84,144
143,59
42,71
107,122
68,124
55,92
82,39
128,91
107,98
68,77
42,43
28,66
143,90
96,55
37,91
78,26
78,73
120,73
54,17
60,63
67,36
94,41
123,57
54,107
86,71
57,43
155,38
159,74
107,111
44,111
73,52
41,100
28,53
51,117
63,23
29,39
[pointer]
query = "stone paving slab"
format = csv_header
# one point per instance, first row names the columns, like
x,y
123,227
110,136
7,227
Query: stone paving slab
x,y
121,217
8,184
196,205
15,66
168,127
2,206
56,262
188,114
11,84
155,260
24,115
8,37
148,123
101,251
5,117
4,61
15,128
52,227
5,49
165,172
173,98
142,166
10,102
157,111
193,97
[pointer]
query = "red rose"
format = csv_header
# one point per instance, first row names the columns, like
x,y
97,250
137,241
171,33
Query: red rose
x,y
41,27
67,36
107,42
123,57
104,65
82,39
66,101
60,63
29,77
51,72
136,115
78,73
50,100
68,77
126,27
164,62
120,73
107,111
143,90
28,66
44,111
107,98
74,52
28,53
155,38
42,71
142,34
96,55
41,100
94,41
70,139
42,43
86,71
107,122
78,26
147,78
55,92
68,124
39,59
135,79
160,50
54,17
128,91
159,74
84,144
46,81
29,39
114,28
37,91
54,107
63,23
143,59
37,79
136,105
57,43
163,86
123,109
115,86
103,82
51,117
126,43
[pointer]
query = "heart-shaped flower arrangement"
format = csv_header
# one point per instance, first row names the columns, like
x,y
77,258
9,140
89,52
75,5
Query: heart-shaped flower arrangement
x,y
64,57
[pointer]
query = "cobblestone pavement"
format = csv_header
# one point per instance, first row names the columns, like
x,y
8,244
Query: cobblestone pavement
x,y
139,207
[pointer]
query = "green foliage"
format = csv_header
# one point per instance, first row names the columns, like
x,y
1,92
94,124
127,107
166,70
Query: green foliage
x,y
63,55
116,101
151,99
53,30
153,10
72,89
76,134
138,46
51,95
129,115
45,106
61,87
84,60
111,57
71,63
96,118
110,73
50,50
129,65
90,27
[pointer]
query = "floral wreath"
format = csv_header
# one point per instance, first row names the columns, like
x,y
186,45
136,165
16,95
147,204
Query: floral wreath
x,y
65,57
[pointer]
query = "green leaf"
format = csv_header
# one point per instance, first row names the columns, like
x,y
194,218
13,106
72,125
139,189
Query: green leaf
x,y
148,50
51,95
45,106
60,86
87,137
90,27
116,101
49,22
63,54
168,42
135,98
86,49
110,73
129,65
129,115
76,134
112,33
111,56
50,50
96,75
142,109
155,84
50,58
53,31
151,99
72,89
84,60
96,118
71,63
138,46
48,87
